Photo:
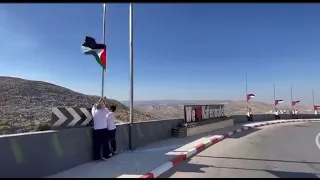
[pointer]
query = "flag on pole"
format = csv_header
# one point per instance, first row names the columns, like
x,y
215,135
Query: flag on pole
x,y
278,102
250,96
295,102
99,51
316,107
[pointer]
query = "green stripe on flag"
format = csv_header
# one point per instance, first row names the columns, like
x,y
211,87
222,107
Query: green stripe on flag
x,y
96,56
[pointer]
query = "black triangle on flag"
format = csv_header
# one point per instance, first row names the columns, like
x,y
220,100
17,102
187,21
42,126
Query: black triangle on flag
x,y
92,44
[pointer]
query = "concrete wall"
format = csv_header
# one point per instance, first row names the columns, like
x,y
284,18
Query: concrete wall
x,y
152,131
268,117
44,153
256,117
209,127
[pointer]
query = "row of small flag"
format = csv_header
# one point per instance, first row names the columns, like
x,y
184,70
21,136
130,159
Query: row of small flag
x,y
278,101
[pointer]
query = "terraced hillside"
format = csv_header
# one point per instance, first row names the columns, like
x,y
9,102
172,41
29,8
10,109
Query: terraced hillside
x,y
25,104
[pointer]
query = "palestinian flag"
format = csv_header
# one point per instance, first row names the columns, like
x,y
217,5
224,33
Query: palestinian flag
x,y
99,51
250,96
276,102
316,107
295,102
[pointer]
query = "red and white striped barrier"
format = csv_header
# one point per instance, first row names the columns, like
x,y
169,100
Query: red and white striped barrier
x,y
212,140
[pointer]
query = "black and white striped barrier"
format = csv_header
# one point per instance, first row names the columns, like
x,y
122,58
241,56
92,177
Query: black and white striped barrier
x,y
70,117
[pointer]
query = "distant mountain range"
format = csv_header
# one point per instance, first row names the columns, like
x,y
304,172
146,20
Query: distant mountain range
x,y
163,109
178,102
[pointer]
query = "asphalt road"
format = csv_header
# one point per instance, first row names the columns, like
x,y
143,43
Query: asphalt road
x,y
275,151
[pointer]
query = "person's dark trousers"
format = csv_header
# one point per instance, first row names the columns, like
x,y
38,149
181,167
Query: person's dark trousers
x,y
100,140
113,141
251,117
248,118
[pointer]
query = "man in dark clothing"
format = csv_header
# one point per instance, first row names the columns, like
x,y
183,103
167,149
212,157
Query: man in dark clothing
x,y
112,129
250,113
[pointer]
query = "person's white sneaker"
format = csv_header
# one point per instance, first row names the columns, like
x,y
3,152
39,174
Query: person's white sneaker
x,y
103,159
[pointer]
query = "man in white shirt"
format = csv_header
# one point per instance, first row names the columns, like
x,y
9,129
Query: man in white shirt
x,y
100,131
249,114
112,129
276,114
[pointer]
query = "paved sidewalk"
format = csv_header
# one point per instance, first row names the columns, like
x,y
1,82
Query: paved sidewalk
x,y
133,164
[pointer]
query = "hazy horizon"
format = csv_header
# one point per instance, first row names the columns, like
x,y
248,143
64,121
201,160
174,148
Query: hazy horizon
x,y
286,103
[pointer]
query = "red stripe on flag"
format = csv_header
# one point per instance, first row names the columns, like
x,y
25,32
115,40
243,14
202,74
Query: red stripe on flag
x,y
104,58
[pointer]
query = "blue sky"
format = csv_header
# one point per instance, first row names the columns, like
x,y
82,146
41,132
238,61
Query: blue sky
x,y
181,51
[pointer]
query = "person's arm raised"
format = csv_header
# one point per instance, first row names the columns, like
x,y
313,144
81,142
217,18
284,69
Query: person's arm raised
x,y
105,101
94,107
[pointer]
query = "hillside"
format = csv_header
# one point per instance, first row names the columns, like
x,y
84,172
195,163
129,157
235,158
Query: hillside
x,y
163,109
24,104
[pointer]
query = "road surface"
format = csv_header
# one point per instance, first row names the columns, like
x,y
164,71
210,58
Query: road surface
x,y
275,151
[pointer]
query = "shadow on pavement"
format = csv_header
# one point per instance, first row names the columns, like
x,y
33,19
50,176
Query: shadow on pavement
x,y
279,174
286,174
197,168
187,167
253,159
244,133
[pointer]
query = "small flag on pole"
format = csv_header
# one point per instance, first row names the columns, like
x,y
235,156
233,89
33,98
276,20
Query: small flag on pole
x,y
99,51
316,107
295,102
278,102
250,96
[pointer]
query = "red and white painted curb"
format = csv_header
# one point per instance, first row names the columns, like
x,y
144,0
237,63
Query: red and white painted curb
x,y
212,140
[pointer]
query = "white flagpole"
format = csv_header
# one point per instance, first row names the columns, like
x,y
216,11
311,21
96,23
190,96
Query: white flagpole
x,y
247,91
131,69
313,103
274,95
313,97
291,97
104,19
